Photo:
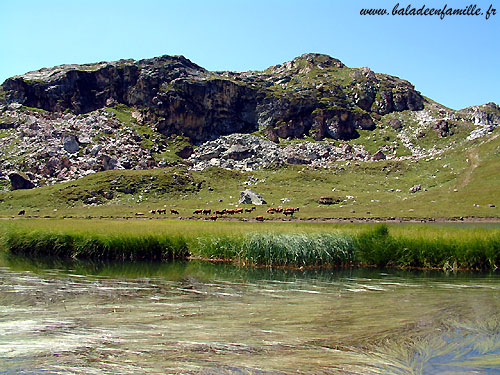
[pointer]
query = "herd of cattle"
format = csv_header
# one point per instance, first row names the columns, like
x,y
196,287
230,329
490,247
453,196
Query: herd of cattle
x,y
215,214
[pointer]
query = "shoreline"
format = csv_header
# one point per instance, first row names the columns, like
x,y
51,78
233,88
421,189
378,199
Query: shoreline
x,y
338,220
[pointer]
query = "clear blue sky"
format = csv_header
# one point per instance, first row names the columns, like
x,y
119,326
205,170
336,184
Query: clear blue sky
x,y
455,61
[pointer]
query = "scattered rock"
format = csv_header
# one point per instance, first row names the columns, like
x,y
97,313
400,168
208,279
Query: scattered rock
x,y
481,131
266,154
111,102
109,163
92,200
251,197
416,188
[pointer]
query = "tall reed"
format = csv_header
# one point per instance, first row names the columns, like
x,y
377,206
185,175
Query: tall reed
x,y
312,249
278,249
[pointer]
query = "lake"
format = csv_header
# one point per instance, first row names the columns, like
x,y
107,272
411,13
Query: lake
x,y
197,317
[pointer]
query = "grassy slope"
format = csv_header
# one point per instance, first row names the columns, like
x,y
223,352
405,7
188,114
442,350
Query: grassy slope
x,y
375,189
374,186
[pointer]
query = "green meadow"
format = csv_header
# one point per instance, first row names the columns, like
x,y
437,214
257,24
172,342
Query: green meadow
x,y
458,183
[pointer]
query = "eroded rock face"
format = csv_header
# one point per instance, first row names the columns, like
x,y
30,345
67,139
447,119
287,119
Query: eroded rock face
x,y
486,114
312,95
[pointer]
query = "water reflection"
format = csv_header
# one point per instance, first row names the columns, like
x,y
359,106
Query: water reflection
x,y
203,318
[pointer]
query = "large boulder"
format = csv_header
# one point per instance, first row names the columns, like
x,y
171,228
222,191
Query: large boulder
x,y
251,197
379,155
185,152
70,144
239,152
18,182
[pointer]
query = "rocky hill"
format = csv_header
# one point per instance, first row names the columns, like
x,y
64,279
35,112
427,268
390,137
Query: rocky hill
x,y
68,121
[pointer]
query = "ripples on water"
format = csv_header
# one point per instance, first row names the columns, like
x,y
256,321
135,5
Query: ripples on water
x,y
201,318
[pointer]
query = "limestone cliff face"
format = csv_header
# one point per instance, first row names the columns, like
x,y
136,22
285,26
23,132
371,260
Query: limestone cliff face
x,y
206,109
312,95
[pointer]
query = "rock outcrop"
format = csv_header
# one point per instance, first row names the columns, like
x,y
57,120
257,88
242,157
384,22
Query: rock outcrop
x,y
486,114
313,94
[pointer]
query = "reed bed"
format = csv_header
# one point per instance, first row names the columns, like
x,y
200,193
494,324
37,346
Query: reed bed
x,y
280,249
476,251
311,249
277,245
92,246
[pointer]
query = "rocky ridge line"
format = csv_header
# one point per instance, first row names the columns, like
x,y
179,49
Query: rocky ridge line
x,y
311,97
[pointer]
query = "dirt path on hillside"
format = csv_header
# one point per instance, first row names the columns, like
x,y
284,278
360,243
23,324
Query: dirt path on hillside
x,y
473,160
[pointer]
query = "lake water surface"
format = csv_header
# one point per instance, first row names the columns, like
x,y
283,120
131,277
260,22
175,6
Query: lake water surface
x,y
202,318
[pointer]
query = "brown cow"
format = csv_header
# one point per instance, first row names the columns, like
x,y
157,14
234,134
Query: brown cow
x,y
139,214
271,210
153,211
239,210
174,212
288,212
207,212
22,212
248,210
162,211
198,211
213,217
259,218
220,212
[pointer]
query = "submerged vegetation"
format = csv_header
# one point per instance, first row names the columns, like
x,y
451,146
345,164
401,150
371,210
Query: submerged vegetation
x,y
288,244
